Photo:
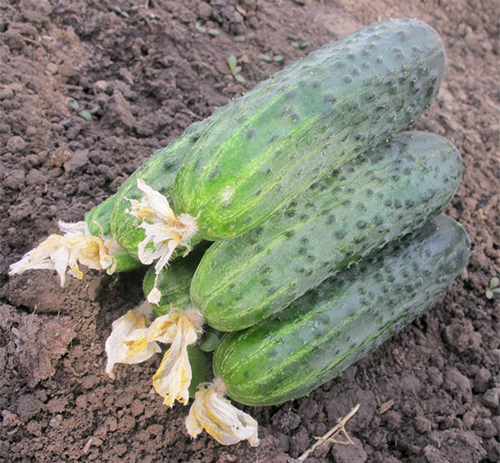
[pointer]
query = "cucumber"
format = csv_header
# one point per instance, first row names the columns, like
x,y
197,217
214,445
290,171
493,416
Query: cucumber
x,y
315,115
98,220
376,198
344,319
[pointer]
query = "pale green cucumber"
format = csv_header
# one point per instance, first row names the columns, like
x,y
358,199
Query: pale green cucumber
x,y
380,196
315,115
343,320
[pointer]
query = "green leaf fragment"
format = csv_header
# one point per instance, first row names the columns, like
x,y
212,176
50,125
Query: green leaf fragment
x,y
74,104
239,78
86,115
232,62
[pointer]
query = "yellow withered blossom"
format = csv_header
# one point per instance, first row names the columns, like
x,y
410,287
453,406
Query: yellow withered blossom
x,y
180,329
212,412
62,252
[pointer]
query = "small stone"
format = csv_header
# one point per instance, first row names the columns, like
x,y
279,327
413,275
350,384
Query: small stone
x,y
52,68
13,39
204,11
77,160
118,110
35,177
433,455
469,419
491,397
73,132
6,94
56,421
28,407
392,420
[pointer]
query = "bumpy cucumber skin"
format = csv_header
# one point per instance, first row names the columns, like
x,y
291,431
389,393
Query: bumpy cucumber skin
x,y
159,172
99,222
98,218
343,320
272,143
174,282
374,199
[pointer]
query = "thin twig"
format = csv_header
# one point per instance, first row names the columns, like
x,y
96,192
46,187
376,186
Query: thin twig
x,y
333,433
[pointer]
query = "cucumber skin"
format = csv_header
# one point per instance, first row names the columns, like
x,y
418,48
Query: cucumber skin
x,y
343,320
269,145
338,220
98,220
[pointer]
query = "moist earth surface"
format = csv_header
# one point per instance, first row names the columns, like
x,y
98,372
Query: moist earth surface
x,y
90,89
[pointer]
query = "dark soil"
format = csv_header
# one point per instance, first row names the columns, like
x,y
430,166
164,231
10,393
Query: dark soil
x,y
431,394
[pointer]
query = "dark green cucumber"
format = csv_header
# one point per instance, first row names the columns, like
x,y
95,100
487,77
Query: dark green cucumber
x,y
315,115
98,220
174,282
376,198
344,319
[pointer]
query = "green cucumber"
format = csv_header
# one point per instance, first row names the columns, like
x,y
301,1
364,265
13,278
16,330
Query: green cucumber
x,y
376,198
344,319
98,220
315,115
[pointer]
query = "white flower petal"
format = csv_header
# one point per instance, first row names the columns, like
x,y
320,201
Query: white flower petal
x,y
163,230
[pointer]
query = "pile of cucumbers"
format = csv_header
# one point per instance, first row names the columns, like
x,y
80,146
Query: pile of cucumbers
x,y
317,217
